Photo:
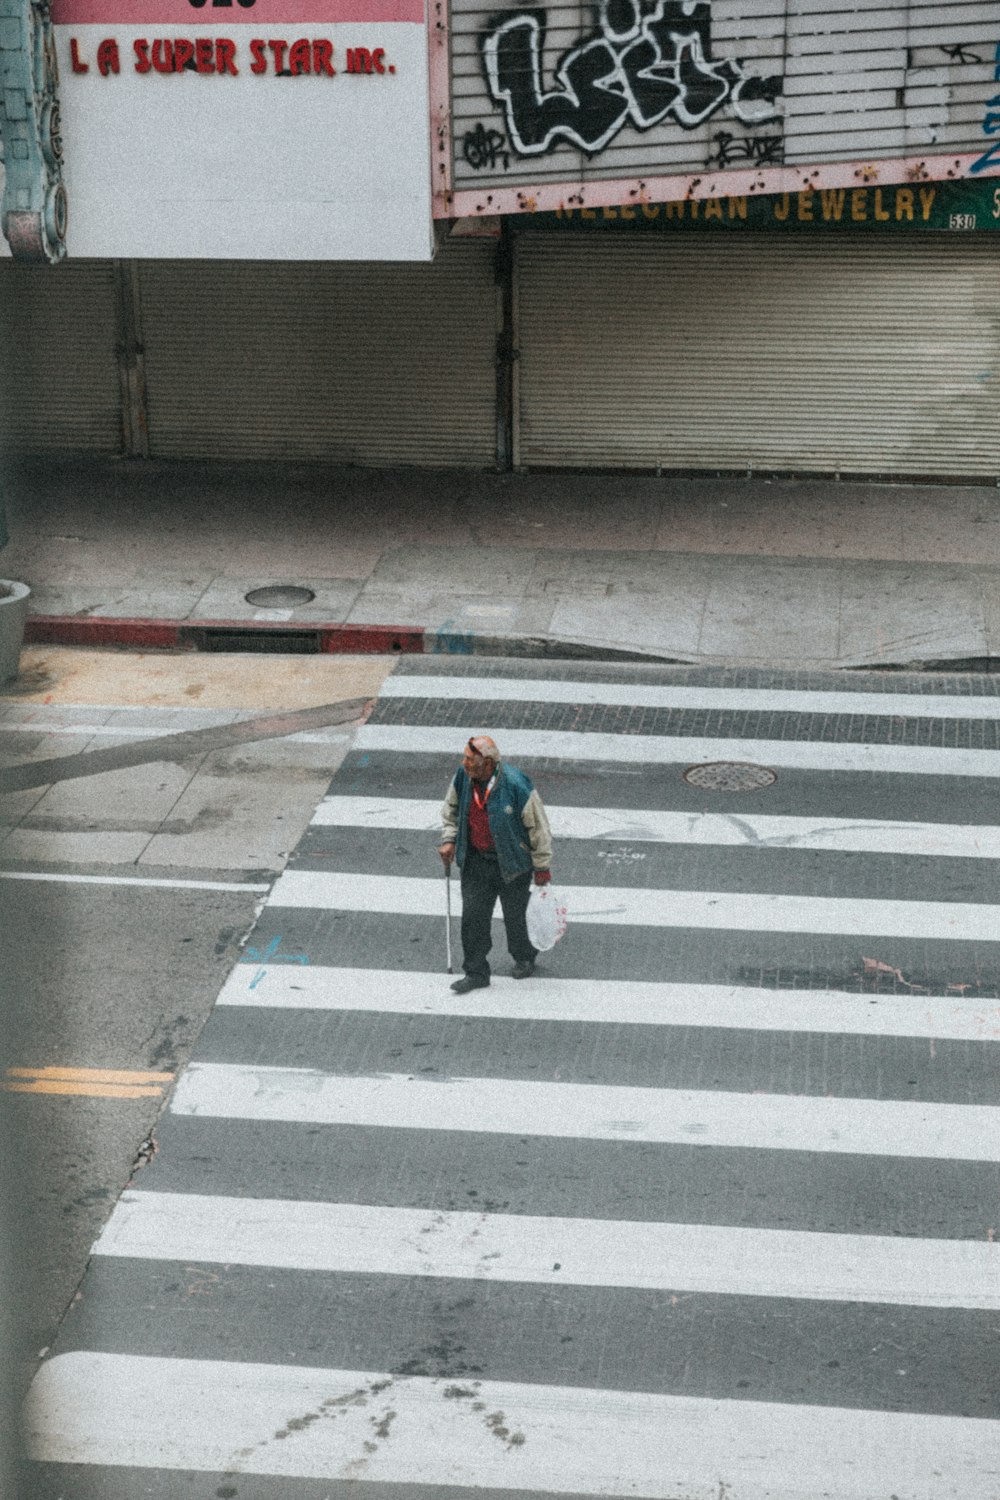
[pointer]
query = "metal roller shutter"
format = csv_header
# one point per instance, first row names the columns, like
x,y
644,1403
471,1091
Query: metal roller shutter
x,y
764,352
59,381
352,363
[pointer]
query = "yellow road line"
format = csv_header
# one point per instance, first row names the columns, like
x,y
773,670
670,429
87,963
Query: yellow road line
x,y
92,1075
93,1083
91,1090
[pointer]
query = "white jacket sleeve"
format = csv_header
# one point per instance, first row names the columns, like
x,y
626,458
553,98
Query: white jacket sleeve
x,y
449,816
539,833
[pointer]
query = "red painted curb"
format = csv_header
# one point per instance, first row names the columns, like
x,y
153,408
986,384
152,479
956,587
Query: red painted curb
x,y
304,638
372,640
76,630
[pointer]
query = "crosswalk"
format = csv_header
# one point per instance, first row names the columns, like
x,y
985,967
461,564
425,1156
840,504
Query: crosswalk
x,y
709,1208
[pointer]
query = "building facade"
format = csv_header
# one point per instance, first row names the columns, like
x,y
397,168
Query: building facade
x,y
756,235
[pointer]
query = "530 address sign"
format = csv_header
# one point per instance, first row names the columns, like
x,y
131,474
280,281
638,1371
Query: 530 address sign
x,y
968,221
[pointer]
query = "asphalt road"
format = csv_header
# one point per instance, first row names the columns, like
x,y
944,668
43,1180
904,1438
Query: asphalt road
x,y
706,1208
128,884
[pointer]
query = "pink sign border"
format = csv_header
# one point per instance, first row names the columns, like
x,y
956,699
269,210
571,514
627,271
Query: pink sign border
x,y
609,193
217,17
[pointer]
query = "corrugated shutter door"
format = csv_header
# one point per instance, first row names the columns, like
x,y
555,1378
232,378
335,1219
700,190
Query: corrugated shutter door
x,y
353,363
764,351
59,385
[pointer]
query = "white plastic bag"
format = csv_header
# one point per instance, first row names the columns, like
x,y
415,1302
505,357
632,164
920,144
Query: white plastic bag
x,y
546,918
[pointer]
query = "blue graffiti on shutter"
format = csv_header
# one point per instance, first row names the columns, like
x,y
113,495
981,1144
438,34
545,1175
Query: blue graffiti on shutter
x,y
991,124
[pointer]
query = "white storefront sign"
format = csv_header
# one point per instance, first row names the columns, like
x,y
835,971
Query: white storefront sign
x,y
246,129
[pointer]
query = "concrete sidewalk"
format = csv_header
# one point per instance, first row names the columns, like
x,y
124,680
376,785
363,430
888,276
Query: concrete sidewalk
x,y
796,572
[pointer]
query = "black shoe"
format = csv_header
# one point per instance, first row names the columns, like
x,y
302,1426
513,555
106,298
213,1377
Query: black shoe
x,y
524,970
469,982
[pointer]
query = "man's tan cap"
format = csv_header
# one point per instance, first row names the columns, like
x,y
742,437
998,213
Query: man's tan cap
x,y
486,747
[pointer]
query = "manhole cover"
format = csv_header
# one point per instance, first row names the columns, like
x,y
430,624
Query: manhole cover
x,y
729,776
279,596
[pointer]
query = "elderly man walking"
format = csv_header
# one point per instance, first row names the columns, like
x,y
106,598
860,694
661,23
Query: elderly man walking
x,y
496,830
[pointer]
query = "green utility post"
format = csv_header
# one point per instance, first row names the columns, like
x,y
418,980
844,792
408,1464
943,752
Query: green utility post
x,y
33,210
33,219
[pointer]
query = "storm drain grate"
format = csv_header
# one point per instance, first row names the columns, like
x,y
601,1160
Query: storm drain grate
x,y
278,642
729,776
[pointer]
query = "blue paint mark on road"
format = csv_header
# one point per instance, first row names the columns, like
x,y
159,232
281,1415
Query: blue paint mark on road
x,y
360,769
255,956
450,642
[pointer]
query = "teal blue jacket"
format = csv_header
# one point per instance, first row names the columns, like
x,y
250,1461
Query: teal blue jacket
x,y
517,821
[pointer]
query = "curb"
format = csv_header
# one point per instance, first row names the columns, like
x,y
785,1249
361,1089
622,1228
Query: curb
x,y
274,637
307,639
223,635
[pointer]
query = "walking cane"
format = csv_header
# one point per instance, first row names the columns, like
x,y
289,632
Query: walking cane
x,y
447,920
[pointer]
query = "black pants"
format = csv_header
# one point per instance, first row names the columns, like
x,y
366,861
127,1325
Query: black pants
x,y
482,883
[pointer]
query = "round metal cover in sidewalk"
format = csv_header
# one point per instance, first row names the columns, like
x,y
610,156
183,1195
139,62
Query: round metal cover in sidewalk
x,y
729,776
279,596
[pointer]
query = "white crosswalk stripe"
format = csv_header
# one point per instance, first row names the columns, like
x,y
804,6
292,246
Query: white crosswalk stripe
x,y
412,1185
652,749
853,836
721,699
617,1002
214,1415
583,1111
557,1251
625,906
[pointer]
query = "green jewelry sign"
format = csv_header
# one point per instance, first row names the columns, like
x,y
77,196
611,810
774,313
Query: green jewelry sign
x,y
956,207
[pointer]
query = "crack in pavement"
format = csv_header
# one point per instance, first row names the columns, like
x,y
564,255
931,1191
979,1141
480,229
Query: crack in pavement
x,y
797,840
181,746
